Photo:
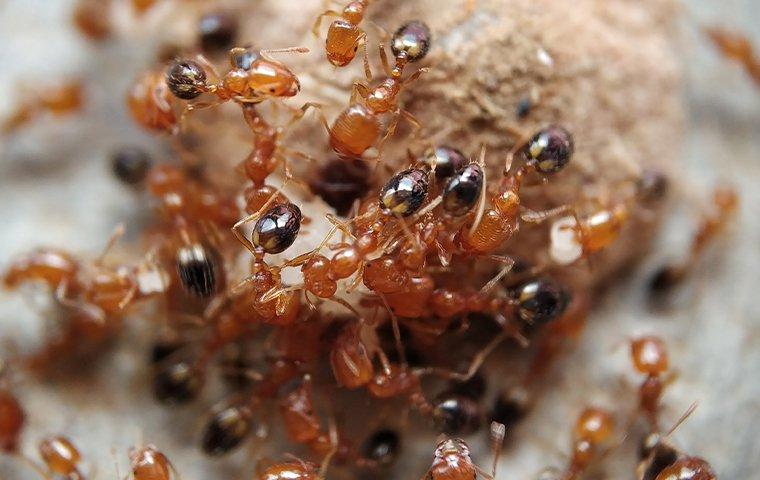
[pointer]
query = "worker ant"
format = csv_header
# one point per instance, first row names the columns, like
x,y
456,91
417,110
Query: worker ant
x,y
345,36
358,127
58,100
593,430
452,459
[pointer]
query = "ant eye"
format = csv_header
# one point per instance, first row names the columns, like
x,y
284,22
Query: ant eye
x,y
550,149
272,90
186,79
277,229
413,39
463,190
404,193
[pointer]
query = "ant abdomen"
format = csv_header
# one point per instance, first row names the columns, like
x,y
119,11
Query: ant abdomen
x,y
412,40
405,192
199,269
277,229
355,130
462,191
226,430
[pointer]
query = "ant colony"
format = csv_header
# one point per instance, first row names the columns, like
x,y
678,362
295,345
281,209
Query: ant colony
x,y
351,281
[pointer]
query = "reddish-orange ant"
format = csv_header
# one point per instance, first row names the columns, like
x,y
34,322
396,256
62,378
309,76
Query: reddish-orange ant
x,y
452,460
57,100
358,127
345,36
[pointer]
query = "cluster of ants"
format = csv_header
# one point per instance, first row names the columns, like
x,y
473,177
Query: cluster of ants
x,y
389,266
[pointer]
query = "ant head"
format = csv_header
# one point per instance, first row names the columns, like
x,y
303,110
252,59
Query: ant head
x,y
412,40
452,446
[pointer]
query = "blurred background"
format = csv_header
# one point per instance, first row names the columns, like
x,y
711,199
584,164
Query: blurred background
x,y
56,188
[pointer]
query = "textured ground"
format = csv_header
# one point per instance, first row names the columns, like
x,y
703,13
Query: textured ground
x,y
56,189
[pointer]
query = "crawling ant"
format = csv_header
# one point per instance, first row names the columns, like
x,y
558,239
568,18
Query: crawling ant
x,y
725,205
57,100
345,36
358,127
94,296
593,430
736,47
650,357
452,460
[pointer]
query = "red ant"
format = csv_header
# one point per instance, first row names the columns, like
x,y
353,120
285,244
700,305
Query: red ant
x,y
58,100
593,430
452,460
345,36
94,295
725,205
358,127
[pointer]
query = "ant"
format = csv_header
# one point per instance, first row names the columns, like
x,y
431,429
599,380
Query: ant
x,y
57,100
95,296
736,47
593,429
650,358
725,205
358,127
452,460
345,36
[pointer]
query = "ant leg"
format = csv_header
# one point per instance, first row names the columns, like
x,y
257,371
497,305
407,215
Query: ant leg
x,y
482,201
532,216
116,235
509,263
396,331
318,22
359,90
416,125
305,108
267,54
365,57
415,76
384,60
497,434
475,364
